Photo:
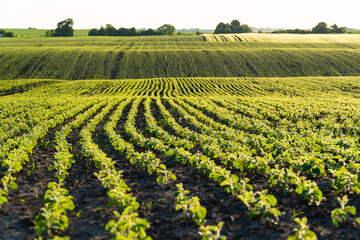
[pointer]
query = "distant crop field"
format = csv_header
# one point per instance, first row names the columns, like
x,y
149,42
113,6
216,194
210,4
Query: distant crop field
x,y
325,87
284,38
179,56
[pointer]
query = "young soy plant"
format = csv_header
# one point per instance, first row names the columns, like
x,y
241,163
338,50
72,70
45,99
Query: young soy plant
x,y
260,203
302,232
340,215
191,207
212,232
164,175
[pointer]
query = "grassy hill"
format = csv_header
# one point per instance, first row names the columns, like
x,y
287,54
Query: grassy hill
x,y
261,55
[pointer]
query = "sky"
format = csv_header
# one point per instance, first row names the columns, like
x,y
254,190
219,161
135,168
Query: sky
x,y
204,14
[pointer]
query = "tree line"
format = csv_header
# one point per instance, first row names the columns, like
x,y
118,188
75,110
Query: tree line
x,y
321,27
65,29
4,33
109,30
234,27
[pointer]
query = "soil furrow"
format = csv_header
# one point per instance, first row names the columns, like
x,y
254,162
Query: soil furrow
x,y
24,203
220,205
157,203
90,215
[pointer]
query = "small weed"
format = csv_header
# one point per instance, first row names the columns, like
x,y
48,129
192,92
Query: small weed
x,y
150,205
45,144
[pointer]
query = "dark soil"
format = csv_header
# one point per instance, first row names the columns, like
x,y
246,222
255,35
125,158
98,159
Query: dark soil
x,y
220,205
90,215
319,218
157,203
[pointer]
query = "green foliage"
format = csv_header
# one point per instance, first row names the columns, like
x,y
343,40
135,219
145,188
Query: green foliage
x,y
53,215
321,27
233,27
64,28
128,226
191,207
166,29
309,191
164,175
344,181
340,215
6,33
167,56
212,232
260,203
302,232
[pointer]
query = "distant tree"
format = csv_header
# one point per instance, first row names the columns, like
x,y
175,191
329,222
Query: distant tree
x,y
9,34
101,31
6,34
110,30
198,32
50,33
123,32
166,29
245,29
64,28
148,32
133,32
321,28
235,26
93,32
220,28
336,29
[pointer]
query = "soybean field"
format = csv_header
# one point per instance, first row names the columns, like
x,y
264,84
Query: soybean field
x,y
257,55
150,138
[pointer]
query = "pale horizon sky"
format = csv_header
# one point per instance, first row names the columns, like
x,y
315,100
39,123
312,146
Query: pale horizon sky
x,y
45,14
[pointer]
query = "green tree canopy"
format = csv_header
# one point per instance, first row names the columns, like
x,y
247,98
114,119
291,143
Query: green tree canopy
x,y
102,31
64,28
233,27
93,32
322,27
6,34
166,29
110,30
336,29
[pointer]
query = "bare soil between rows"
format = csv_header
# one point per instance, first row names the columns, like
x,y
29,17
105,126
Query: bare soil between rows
x,y
157,204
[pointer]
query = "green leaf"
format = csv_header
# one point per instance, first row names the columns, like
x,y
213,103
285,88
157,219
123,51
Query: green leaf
x,y
3,199
336,222
272,200
13,185
350,209
310,235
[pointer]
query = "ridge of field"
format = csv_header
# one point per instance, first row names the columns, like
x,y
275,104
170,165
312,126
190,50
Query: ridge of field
x,y
283,38
328,87
179,56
